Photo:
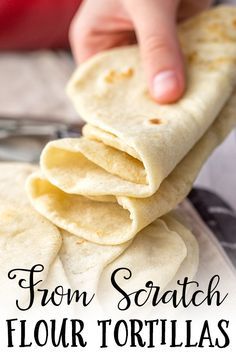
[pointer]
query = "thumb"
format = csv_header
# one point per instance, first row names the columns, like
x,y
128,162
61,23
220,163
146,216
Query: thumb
x,y
155,26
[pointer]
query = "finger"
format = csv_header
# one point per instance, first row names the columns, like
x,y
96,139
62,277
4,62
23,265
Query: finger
x,y
96,42
97,27
80,33
155,25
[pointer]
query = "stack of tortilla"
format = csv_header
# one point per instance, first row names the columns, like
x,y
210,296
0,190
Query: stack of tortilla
x,y
109,190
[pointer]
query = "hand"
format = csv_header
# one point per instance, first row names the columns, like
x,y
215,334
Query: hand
x,y
104,24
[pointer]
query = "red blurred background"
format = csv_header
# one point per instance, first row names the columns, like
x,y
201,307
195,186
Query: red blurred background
x,y
35,24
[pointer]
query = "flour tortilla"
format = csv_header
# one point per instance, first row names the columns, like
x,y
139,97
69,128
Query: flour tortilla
x,y
131,143
156,254
119,219
84,261
189,266
56,278
26,238
162,247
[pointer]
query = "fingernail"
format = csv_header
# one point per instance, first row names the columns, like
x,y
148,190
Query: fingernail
x,y
165,85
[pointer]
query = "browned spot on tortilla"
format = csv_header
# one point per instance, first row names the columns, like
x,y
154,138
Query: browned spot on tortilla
x,y
114,75
127,73
192,57
109,78
215,64
234,22
79,242
216,27
148,95
155,121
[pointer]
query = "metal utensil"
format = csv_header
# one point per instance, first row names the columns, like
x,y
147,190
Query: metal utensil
x,y
22,138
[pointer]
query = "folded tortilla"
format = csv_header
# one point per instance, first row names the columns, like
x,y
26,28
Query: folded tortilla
x,y
161,248
162,252
118,219
154,255
26,238
137,160
131,143
84,261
